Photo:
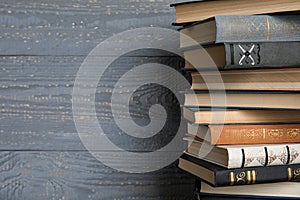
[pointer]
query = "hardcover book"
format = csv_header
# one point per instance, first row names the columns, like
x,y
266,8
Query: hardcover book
x,y
193,11
237,116
244,55
287,79
220,176
241,28
280,190
246,134
235,156
243,99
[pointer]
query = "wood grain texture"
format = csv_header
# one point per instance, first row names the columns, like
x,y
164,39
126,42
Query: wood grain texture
x,y
42,45
77,175
73,27
36,100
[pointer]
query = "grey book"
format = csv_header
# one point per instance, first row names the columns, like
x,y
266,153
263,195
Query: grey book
x,y
244,55
242,28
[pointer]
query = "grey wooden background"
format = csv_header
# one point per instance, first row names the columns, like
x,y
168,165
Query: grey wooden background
x,y
42,44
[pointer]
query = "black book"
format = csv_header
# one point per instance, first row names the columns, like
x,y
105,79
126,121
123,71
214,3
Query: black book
x,y
220,176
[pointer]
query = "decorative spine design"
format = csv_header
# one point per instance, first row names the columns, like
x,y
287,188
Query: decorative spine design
x,y
267,135
243,178
265,155
292,133
257,28
297,174
249,54
293,174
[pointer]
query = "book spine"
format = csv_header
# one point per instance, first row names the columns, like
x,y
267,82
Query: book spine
x,y
267,155
257,28
245,176
254,134
268,54
242,176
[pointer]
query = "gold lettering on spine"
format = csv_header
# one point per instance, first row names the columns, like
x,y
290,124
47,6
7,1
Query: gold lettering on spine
x,y
240,178
293,133
253,173
252,134
248,177
268,25
289,171
297,173
231,177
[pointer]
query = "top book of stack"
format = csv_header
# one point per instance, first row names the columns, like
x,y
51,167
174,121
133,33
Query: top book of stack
x,y
241,28
193,11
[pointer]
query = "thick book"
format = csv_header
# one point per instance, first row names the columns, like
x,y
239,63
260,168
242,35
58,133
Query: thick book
x,y
280,190
237,116
241,28
246,134
240,99
287,79
221,176
188,12
239,156
244,55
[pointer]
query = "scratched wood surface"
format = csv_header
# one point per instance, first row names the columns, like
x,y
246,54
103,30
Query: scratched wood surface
x,y
42,45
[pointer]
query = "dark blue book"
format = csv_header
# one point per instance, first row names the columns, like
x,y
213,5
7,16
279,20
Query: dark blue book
x,y
217,175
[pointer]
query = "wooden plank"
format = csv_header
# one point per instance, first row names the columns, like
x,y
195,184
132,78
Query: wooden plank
x,y
73,28
36,106
77,175
42,45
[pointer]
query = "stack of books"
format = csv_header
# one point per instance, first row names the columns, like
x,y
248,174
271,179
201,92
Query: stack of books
x,y
244,110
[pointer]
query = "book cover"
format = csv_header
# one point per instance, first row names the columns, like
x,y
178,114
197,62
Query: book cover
x,y
235,156
243,99
279,190
246,134
262,54
220,176
242,28
244,55
258,28
239,116
275,79
192,11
